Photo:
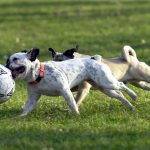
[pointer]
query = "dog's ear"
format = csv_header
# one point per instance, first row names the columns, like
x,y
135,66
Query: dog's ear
x,y
69,53
53,52
32,55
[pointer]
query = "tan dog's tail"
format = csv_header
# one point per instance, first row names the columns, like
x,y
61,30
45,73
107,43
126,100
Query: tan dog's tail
x,y
129,54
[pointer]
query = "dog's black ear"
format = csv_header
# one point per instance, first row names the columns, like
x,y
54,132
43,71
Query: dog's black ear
x,y
53,52
33,54
69,53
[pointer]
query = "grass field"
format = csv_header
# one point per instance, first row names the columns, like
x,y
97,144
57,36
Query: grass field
x,y
99,27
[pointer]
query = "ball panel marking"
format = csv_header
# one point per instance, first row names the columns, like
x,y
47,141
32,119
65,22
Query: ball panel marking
x,y
7,84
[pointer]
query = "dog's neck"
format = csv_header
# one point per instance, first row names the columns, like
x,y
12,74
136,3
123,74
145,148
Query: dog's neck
x,y
33,71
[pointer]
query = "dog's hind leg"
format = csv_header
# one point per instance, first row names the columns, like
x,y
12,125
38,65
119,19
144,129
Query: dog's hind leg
x,y
142,84
70,100
130,92
83,90
118,95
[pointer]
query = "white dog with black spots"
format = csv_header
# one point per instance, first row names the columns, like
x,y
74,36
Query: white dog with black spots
x,y
58,78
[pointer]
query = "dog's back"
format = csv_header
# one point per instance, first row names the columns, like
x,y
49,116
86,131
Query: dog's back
x,y
119,65
74,70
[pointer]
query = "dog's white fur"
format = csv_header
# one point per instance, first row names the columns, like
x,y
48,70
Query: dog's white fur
x,y
60,77
126,68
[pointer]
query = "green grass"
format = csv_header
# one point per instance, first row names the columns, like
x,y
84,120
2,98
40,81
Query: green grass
x,y
99,27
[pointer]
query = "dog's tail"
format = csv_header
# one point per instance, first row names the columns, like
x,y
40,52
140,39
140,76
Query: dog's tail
x,y
128,53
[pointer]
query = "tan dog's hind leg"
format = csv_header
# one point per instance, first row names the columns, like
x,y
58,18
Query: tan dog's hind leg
x,y
143,85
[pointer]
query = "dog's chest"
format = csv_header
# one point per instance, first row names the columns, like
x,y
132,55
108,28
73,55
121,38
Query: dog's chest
x,y
48,89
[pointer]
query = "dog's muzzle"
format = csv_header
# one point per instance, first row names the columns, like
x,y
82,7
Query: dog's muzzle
x,y
16,71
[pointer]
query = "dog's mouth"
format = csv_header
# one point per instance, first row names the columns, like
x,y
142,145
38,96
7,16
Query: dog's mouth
x,y
16,71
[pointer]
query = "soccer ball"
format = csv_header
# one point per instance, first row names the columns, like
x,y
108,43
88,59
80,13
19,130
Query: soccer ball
x,y
7,84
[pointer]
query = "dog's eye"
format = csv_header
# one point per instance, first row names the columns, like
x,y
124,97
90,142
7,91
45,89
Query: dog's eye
x,y
15,59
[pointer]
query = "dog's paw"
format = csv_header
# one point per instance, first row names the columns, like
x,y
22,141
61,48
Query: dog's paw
x,y
77,112
134,97
132,108
23,114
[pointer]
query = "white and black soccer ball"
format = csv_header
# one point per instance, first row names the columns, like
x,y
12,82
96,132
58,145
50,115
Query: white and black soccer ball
x,y
7,84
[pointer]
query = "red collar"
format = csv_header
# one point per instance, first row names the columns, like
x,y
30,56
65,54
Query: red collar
x,y
41,75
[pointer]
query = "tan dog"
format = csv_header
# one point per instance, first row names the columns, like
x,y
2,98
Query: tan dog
x,y
126,68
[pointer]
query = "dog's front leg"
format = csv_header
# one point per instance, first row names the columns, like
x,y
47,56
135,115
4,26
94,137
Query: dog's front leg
x,y
70,100
142,84
31,103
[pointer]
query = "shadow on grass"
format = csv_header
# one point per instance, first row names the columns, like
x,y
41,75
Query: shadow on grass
x,y
73,138
9,113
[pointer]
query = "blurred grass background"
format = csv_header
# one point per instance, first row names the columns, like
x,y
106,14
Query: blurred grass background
x,y
102,27
99,27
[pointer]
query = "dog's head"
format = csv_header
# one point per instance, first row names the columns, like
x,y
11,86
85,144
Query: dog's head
x,y
68,54
20,63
